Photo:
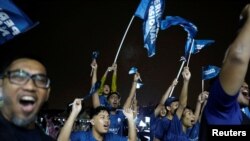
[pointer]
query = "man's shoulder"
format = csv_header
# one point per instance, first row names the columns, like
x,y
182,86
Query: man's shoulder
x,y
112,136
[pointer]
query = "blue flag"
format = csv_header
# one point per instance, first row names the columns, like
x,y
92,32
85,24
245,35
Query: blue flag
x,y
95,54
13,21
194,46
209,72
142,9
189,27
150,11
132,70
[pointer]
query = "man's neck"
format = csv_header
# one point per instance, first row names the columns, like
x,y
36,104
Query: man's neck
x,y
97,135
169,116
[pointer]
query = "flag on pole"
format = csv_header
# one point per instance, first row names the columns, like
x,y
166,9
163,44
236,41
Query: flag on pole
x,y
195,46
189,27
13,21
134,70
150,11
142,9
209,72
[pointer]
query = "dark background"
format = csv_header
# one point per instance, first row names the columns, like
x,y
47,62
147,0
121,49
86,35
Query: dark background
x,y
70,30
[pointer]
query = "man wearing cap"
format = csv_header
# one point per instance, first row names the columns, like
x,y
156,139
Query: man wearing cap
x,y
174,127
160,111
171,104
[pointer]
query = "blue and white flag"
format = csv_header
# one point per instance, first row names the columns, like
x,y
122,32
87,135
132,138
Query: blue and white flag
x,y
210,72
142,9
189,27
13,21
132,70
150,11
194,46
139,84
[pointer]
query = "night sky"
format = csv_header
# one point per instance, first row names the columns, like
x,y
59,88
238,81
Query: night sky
x,y
70,30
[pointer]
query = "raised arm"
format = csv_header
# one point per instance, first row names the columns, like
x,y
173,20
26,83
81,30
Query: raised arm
x,y
66,130
200,101
236,59
164,97
128,102
203,105
103,79
132,134
95,97
114,79
184,92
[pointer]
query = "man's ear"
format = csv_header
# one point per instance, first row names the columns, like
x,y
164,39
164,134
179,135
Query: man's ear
x,y
47,95
92,122
168,108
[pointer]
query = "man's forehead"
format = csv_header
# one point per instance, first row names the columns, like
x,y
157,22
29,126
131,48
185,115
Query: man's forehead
x,y
244,84
103,113
27,64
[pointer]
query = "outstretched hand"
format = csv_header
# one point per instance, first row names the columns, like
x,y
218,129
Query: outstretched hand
x,y
186,73
77,106
94,64
137,77
128,113
203,96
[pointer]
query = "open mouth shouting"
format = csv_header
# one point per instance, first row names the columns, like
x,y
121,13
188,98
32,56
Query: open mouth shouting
x,y
27,103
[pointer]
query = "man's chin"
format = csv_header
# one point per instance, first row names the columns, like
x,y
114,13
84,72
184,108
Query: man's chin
x,y
23,122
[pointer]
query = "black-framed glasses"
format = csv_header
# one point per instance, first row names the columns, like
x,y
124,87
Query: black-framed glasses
x,y
21,77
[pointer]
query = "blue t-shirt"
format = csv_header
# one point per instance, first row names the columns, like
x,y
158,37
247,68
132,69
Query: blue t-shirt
x,y
161,128
193,132
103,101
117,123
153,124
116,120
222,109
175,132
88,136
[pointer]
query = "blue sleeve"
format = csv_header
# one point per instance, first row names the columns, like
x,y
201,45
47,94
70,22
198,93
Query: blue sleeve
x,y
161,128
114,137
193,132
218,97
222,108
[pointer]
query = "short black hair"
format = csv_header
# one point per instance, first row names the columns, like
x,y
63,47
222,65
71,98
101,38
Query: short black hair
x,y
10,59
97,110
190,108
116,93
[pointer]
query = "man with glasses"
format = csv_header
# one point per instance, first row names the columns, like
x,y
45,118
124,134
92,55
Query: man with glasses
x,y
25,87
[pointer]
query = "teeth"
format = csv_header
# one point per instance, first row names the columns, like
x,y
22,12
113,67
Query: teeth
x,y
28,98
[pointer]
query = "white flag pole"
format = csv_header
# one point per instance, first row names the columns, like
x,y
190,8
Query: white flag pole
x,y
132,18
178,75
190,52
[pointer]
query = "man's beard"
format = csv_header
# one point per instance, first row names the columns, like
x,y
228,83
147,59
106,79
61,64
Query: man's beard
x,y
23,122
